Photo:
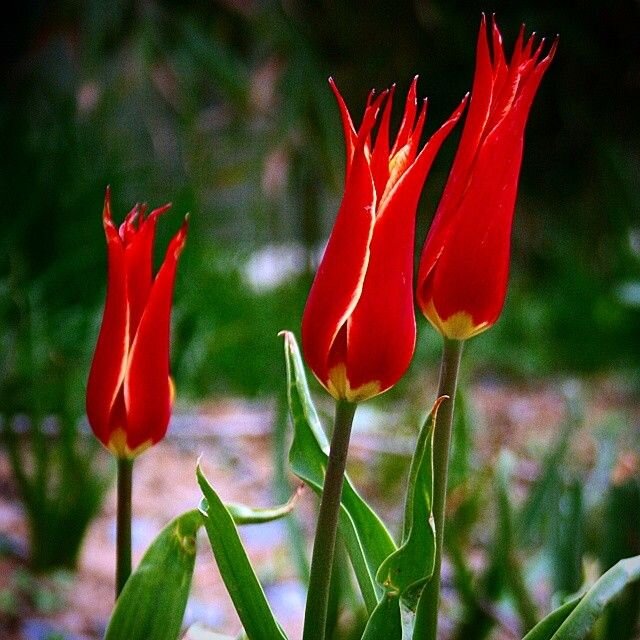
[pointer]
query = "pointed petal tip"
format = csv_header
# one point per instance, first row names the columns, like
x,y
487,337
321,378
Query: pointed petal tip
x,y
107,218
455,116
156,213
495,30
554,47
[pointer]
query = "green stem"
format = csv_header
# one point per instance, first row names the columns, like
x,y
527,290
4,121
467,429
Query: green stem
x,y
123,533
426,625
315,617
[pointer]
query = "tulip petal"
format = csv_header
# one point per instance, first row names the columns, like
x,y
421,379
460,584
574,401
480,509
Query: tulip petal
x,y
408,119
147,387
347,127
110,358
338,282
381,330
477,116
139,255
380,155
471,272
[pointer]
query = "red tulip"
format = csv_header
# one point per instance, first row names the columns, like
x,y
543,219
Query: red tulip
x,y
464,267
358,328
130,392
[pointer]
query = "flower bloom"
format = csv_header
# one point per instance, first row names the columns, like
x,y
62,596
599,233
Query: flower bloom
x,y
464,268
129,392
358,327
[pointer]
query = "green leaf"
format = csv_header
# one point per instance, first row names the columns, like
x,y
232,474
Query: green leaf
x,y
545,629
385,622
236,570
366,538
406,570
243,514
154,598
461,444
581,620
538,508
505,552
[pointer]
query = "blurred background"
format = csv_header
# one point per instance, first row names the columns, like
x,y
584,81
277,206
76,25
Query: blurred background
x,y
223,108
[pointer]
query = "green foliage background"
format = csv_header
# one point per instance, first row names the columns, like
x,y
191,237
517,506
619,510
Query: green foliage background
x,y
223,108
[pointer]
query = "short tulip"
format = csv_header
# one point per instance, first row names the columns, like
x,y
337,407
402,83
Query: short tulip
x,y
464,268
358,328
130,392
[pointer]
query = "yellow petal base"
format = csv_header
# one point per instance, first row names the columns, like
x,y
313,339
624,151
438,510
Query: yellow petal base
x,y
458,326
338,386
119,447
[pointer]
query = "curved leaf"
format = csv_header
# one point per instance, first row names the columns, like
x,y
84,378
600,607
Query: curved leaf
x,y
545,629
407,569
154,598
236,570
366,538
243,515
581,620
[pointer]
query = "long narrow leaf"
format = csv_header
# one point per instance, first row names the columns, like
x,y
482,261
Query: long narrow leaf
x,y
236,570
506,550
242,514
367,540
534,515
545,629
581,620
407,569
154,598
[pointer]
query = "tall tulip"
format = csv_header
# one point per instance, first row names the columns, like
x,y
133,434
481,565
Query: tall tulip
x,y
462,279
129,391
358,327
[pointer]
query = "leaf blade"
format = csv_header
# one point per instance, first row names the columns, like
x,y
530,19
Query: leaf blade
x,y
154,598
367,540
545,629
407,569
237,573
385,622
244,515
581,620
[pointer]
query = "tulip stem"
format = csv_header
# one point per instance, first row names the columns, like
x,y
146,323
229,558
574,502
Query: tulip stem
x,y
315,617
123,532
426,625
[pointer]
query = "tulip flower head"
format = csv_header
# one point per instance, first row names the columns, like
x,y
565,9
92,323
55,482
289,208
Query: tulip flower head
x,y
129,391
358,327
464,268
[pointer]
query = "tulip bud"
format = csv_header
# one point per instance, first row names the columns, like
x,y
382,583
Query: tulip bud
x,y
129,391
358,327
464,268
